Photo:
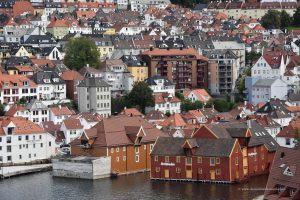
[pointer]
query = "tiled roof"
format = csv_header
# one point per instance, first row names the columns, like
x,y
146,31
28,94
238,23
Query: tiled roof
x,y
131,112
201,94
175,52
155,115
61,110
292,130
284,172
87,14
71,75
22,126
13,109
170,146
15,81
113,132
72,123
164,98
21,7
173,121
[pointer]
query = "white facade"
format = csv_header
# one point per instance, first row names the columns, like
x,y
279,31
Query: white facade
x,y
143,5
70,134
161,85
94,95
24,148
286,142
265,89
49,91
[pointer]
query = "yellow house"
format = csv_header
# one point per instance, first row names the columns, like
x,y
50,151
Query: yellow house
x,y
109,31
58,28
137,68
23,52
104,45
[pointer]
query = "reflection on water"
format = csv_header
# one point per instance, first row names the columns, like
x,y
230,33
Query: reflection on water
x,y
137,186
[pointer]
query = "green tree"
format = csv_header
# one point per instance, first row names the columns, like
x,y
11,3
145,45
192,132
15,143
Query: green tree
x,y
271,19
141,95
242,86
285,19
81,51
252,57
296,17
22,101
2,111
179,96
187,105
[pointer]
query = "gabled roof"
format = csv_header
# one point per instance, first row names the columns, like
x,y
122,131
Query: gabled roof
x,y
131,112
42,77
72,123
174,121
71,75
170,146
284,159
14,109
113,132
93,82
61,110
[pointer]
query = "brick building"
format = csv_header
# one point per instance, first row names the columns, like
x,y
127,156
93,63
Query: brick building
x,y
127,140
184,67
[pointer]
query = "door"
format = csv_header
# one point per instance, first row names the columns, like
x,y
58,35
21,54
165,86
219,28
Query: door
x,y
237,175
212,174
167,173
189,174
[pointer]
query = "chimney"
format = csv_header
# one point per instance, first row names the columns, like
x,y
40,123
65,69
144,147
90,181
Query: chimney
x,y
245,103
151,48
168,48
87,65
181,48
249,123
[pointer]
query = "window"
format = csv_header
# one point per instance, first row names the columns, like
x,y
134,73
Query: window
x,y
112,150
20,146
218,171
178,159
1,159
136,149
188,161
236,161
212,161
40,137
124,158
199,160
8,158
151,147
217,160
20,157
49,144
137,158
262,156
166,159
41,145
157,169
29,155
8,149
117,149
145,147
155,158
199,170
33,145
26,137
124,148
19,138
178,170
117,158
0,139
287,141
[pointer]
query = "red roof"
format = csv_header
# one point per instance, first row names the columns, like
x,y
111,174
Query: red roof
x,y
21,7
61,110
165,97
71,75
174,121
15,108
175,52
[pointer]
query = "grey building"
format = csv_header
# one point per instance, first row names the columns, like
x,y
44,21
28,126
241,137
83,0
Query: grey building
x,y
94,95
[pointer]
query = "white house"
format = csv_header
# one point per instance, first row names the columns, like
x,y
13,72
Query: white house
x,y
265,89
269,66
166,103
22,141
142,5
35,111
197,95
94,95
50,85
117,75
159,84
71,128
59,114
287,137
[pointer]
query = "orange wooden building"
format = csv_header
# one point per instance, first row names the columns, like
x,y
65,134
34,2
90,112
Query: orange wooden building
x,y
127,140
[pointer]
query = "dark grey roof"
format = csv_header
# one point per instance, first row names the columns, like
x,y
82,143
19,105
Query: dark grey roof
x,y
170,43
93,82
264,82
294,97
205,147
132,60
42,77
18,61
40,39
219,54
200,6
259,135
275,109
36,105
150,80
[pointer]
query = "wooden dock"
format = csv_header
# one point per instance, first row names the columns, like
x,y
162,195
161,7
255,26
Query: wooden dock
x,y
10,171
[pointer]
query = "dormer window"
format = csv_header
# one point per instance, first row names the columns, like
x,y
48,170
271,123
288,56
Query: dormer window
x,y
25,83
46,80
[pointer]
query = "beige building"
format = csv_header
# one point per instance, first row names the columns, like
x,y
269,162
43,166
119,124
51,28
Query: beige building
x,y
254,9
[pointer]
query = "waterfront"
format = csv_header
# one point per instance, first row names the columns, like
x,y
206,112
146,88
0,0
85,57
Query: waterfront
x,y
137,186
